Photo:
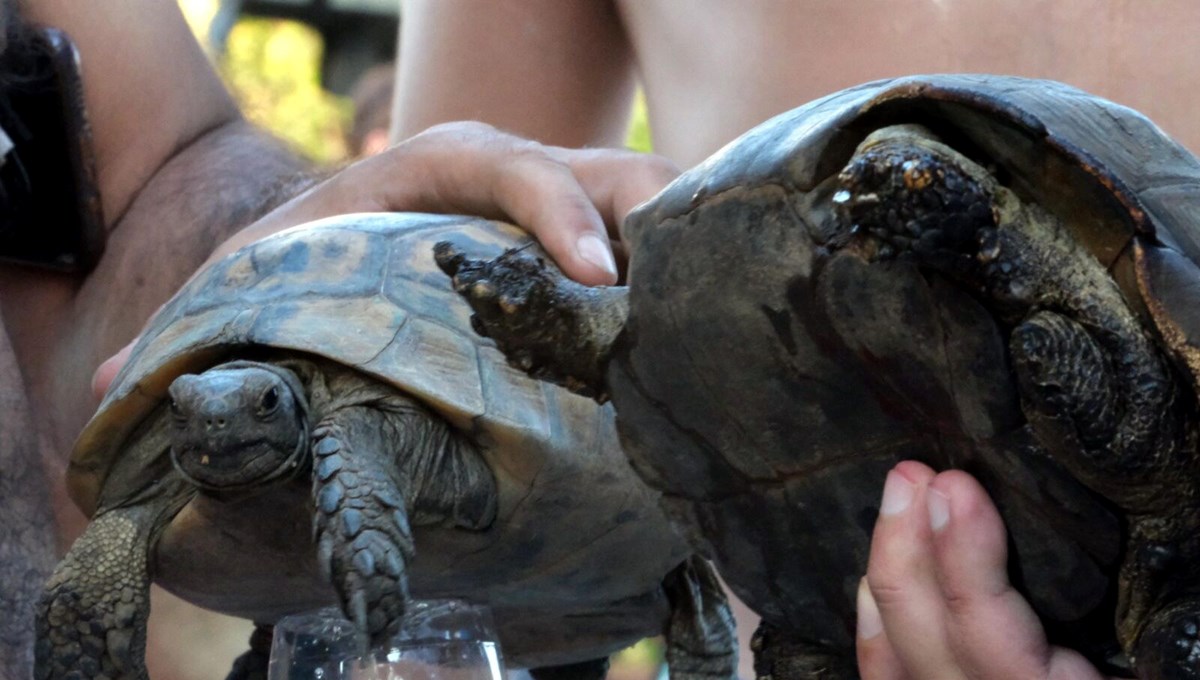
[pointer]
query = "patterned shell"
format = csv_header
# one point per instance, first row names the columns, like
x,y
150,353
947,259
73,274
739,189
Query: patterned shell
x,y
361,290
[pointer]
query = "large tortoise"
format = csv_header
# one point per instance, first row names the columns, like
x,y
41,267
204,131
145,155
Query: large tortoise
x,y
838,290
311,421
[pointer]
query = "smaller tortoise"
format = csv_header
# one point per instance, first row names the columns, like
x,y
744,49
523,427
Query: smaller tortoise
x,y
311,421
979,272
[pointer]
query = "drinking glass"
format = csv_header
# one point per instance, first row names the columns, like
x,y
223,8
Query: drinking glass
x,y
437,640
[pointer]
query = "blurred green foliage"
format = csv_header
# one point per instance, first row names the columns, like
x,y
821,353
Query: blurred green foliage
x,y
638,138
273,69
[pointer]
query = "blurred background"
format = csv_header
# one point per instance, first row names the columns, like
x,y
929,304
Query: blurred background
x,y
317,73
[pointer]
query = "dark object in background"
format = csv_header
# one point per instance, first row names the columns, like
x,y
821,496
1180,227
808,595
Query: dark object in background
x,y
50,211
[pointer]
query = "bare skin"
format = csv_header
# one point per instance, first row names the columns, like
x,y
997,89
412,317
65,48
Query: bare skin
x,y
712,70
937,591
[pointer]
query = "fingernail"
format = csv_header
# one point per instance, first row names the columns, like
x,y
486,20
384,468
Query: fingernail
x,y
870,623
939,508
595,250
897,494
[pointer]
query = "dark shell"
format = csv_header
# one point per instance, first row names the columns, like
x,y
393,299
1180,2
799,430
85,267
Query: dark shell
x,y
750,394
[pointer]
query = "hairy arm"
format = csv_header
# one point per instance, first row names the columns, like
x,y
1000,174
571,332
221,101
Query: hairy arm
x,y
149,88
27,526
557,71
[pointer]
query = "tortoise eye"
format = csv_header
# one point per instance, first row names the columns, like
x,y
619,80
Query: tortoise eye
x,y
175,409
269,401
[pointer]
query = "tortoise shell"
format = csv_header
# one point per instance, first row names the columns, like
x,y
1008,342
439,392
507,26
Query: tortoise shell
x,y
576,534
747,397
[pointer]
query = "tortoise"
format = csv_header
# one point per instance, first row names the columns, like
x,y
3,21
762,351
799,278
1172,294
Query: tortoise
x,y
311,421
979,272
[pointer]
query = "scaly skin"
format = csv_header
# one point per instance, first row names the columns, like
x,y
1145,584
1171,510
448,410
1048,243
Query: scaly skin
x,y
92,619
379,469
363,534
547,325
780,656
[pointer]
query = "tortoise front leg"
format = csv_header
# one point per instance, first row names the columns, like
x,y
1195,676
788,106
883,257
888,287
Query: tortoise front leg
x,y
374,468
783,655
547,325
91,621
363,535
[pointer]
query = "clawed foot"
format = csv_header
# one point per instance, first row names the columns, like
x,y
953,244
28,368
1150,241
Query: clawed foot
x,y
547,325
363,535
1170,646
92,618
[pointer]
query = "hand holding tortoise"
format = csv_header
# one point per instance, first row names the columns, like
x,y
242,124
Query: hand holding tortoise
x,y
571,200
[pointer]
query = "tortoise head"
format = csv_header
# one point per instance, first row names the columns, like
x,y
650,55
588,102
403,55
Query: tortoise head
x,y
238,424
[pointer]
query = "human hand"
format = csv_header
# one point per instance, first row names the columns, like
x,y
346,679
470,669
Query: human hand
x,y
571,200
936,603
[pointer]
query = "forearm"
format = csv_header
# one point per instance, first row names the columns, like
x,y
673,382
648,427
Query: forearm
x,y
212,187
27,534
149,88
218,184
558,71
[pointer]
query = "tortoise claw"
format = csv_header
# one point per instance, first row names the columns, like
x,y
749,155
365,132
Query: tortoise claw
x,y
363,542
448,258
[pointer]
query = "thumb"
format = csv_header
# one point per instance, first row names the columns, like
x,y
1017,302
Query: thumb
x,y
108,370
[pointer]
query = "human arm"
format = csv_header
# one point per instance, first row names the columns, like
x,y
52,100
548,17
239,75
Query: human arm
x,y
556,71
27,533
936,603
148,87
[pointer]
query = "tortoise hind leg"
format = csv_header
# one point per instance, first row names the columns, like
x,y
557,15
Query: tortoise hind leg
x,y
374,469
779,655
91,621
552,328
1104,401
701,635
